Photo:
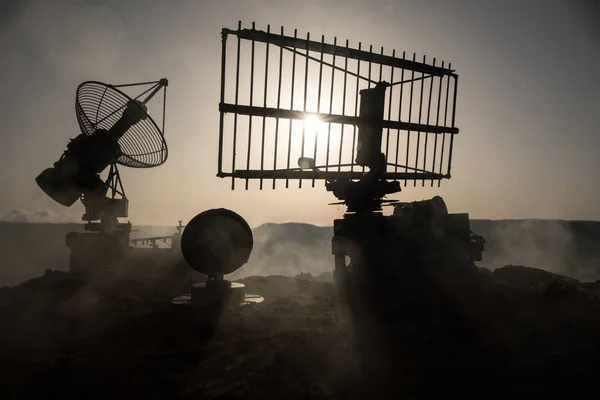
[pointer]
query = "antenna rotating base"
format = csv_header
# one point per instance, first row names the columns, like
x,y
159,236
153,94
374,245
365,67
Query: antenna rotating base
x,y
217,294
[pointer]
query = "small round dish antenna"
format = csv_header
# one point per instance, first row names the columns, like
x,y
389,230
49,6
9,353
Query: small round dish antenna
x,y
215,243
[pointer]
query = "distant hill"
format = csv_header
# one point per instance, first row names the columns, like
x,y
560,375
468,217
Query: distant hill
x,y
568,247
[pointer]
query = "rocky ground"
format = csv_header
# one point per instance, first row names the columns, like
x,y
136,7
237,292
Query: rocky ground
x,y
516,331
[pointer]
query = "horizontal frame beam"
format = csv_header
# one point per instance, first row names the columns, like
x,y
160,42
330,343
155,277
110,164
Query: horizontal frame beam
x,y
328,118
326,175
291,42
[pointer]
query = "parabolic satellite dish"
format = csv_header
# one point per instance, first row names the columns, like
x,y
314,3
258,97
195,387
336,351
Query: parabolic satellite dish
x,y
99,107
115,129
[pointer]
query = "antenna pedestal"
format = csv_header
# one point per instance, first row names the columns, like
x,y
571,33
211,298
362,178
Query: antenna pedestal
x,y
208,300
92,251
217,292
360,239
365,195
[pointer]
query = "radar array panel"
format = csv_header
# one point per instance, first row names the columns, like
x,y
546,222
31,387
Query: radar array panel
x,y
284,97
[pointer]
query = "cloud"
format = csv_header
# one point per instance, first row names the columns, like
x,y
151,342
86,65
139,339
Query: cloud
x,y
16,215
40,215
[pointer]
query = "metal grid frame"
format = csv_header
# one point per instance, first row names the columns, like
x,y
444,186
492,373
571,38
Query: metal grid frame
x,y
421,106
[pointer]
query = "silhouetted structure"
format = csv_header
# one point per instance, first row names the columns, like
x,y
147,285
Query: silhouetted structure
x,y
115,130
383,120
215,243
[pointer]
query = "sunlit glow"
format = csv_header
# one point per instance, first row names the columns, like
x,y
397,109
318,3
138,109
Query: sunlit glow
x,y
312,124
315,131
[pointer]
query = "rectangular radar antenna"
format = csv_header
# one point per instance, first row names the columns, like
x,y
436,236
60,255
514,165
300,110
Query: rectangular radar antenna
x,y
284,98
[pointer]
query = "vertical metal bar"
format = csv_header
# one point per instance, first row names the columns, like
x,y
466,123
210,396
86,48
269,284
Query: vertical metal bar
x,y
453,120
236,101
114,179
305,99
379,80
370,64
291,105
412,79
330,109
343,107
278,106
165,112
389,117
445,119
427,133
437,121
399,114
422,83
319,100
111,177
356,102
262,147
251,99
380,67
369,77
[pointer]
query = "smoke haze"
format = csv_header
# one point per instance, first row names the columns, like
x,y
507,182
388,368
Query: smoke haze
x,y
565,247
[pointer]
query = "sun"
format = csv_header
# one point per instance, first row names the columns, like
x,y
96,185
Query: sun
x,y
312,123
309,137
313,133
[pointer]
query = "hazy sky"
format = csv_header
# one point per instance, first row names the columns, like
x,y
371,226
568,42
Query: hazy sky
x,y
527,110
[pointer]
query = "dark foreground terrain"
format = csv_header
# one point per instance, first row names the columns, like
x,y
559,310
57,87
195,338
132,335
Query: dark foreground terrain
x,y
516,332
